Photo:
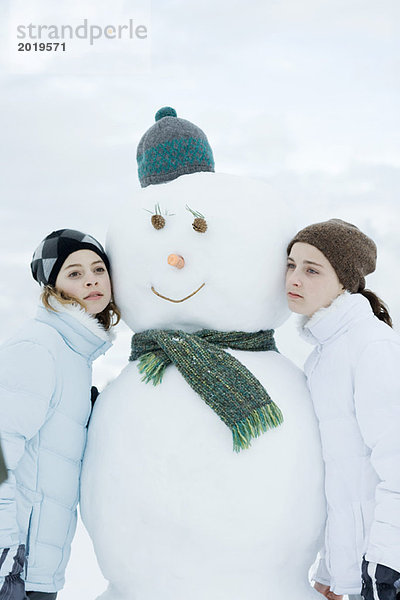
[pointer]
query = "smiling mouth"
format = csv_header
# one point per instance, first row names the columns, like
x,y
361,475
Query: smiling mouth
x,y
171,299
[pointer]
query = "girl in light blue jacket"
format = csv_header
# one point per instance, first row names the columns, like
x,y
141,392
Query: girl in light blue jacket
x,y
45,404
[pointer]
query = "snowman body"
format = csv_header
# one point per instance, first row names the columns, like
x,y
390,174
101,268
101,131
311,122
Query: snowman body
x,y
173,512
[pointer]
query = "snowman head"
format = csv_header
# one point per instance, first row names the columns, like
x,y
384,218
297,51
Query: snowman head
x,y
205,250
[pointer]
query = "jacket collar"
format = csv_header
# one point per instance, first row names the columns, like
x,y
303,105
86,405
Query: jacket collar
x,y
80,331
338,317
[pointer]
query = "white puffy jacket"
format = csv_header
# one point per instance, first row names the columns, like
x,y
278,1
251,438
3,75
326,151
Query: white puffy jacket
x,y
353,376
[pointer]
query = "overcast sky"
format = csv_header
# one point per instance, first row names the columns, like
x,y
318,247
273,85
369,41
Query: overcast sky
x,y
305,93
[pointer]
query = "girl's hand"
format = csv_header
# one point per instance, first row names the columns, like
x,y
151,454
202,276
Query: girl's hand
x,y
325,590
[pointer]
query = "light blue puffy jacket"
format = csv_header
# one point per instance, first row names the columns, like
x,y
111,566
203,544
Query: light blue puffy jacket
x,y
45,381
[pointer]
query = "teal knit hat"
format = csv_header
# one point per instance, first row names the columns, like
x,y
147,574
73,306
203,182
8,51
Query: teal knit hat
x,y
172,147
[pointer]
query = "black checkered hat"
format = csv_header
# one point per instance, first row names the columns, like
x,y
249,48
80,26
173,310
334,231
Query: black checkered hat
x,y
51,253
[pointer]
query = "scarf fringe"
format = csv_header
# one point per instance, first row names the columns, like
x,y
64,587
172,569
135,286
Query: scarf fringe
x,y
152,367
258,422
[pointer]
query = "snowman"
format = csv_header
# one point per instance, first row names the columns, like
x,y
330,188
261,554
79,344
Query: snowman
x,y
202,478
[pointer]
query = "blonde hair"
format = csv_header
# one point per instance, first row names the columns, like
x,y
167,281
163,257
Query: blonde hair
x,y
109,317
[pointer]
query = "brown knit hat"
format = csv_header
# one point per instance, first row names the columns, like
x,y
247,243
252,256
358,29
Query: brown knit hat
x,y
351,253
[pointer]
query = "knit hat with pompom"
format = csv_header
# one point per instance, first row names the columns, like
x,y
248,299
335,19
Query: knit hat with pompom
x,y
172,147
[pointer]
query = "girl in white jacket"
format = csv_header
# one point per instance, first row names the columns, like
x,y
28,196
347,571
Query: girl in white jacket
x,y
353,376
45,403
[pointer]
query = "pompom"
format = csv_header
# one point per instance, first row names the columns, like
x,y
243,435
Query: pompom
x,y
166,111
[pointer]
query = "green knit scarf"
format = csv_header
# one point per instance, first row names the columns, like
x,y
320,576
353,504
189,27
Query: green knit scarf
x,y
221,380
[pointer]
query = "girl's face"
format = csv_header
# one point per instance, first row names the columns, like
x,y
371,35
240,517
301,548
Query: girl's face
x,y
311,281
84,276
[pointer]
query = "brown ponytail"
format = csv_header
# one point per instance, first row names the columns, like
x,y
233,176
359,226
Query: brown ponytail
x,y
379,308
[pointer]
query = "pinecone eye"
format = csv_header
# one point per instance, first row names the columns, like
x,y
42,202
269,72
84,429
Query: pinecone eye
x,y
200,225
157,221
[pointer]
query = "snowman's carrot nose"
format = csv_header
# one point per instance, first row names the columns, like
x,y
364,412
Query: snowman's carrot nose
x,y
176,261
